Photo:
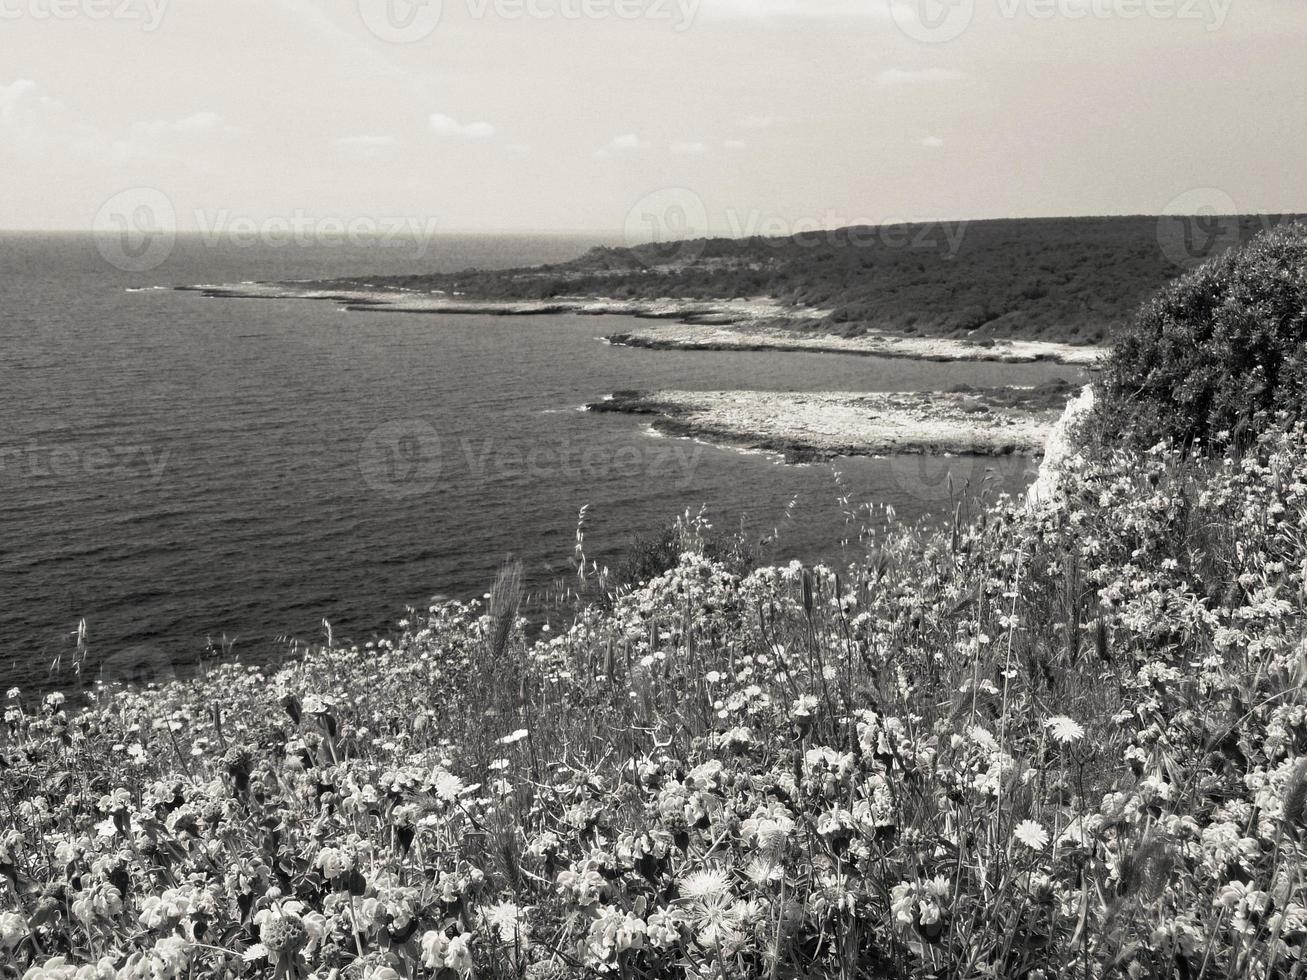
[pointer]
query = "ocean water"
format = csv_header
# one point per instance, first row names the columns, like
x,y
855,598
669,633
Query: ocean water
x,y
176,469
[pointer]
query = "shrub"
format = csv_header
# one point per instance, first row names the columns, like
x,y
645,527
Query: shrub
x,y
1221,349
648,556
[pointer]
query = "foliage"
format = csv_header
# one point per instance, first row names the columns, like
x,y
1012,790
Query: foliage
x,y
1222,349
1064,742
648,556
1067,279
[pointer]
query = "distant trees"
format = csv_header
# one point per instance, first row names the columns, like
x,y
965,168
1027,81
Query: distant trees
x,y
1069,279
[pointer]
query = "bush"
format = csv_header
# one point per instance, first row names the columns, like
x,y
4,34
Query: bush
x,y
648,556
1221,349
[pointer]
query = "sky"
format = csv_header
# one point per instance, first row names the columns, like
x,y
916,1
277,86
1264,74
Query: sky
x,y
644,118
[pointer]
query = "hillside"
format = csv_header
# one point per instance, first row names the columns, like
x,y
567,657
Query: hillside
x,y
1061,738
1058,743
1064,279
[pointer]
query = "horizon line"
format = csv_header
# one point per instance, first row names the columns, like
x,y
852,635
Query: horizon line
x,y
619,233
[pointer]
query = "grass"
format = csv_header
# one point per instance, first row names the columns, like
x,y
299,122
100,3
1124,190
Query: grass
x,y
1062,742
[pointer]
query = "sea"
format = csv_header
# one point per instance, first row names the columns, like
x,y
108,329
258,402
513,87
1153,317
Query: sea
x,y
183,476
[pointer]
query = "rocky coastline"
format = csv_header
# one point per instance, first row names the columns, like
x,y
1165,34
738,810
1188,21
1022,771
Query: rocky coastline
x,y
757,324
803,427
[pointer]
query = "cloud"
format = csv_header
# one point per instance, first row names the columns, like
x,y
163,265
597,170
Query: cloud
x,y
19,95
196,124
773,10
200,122
38,127
734,144
932,142
756,122
354,53
366,147
35,125
368,142
900,76
168,138
449,126
626,143
689,149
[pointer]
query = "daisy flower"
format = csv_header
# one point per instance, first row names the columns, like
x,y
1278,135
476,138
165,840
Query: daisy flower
x,y
1031,834
505,919
1065,730
763,872
720,923
447,785
705,885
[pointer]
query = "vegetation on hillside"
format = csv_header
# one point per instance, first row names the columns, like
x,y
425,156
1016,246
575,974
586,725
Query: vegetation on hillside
x,y
1063,741
1071,742
1068,279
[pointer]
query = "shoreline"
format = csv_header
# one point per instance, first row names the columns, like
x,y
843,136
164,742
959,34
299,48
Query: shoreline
x,y
807,427
871,344
708,312
714,325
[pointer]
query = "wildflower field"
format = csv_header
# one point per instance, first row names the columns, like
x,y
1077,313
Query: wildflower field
x,y
1058,741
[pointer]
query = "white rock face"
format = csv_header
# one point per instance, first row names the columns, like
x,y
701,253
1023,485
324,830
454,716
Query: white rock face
x,y
1058,449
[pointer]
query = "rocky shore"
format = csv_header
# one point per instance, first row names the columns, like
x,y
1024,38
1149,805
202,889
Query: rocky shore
x,y
757,336
735,324
755,312
814,426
